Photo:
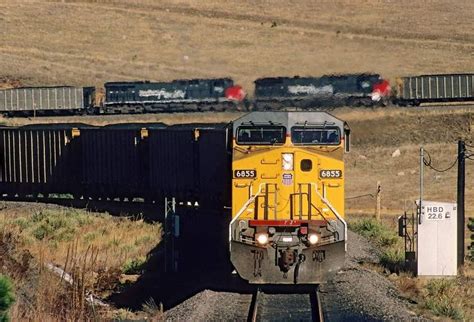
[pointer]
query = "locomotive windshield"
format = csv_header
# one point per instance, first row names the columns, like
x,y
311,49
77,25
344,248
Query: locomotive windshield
x,y
261,135
315,136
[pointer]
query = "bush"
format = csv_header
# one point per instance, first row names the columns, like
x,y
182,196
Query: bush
x,y
392,256
369,228
442,298
6,297
393,259
134,266
374,230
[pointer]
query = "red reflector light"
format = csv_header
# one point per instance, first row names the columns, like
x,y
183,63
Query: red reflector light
x,y
304,230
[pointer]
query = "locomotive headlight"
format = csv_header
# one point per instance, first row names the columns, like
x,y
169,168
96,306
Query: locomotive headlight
x,y
313,239
262,239
287,161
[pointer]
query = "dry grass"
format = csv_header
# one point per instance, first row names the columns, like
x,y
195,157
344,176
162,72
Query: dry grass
x,y
94,249
48,233
89,42
441,297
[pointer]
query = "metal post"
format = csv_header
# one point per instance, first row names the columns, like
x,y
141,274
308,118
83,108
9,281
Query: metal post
x,y
422,158
166,234
460,201
170,209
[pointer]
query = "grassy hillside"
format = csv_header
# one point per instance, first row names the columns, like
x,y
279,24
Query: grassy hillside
x,y
89,42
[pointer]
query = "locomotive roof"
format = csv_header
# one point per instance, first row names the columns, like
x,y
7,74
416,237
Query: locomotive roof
x,y
281,78
289,119
171,81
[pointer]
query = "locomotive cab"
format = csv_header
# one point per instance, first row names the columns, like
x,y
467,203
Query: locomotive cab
x,y
288,197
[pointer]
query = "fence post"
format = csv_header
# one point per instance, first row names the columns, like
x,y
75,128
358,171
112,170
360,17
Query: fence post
x,y
378,200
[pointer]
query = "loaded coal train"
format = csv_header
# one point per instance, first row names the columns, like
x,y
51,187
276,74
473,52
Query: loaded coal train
x,y
221,94
281,174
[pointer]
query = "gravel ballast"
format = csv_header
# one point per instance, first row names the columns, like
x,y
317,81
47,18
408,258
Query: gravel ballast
x,y
356,293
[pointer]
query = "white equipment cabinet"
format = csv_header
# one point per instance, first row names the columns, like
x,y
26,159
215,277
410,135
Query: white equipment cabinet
x,y
437,239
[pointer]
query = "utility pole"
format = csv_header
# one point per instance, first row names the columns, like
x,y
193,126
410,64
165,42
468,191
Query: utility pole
x,y
422,164
460,201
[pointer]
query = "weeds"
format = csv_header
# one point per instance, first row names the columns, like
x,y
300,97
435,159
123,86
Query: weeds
x,y
134,266
74,254
392,256
393,259
151,308
443,299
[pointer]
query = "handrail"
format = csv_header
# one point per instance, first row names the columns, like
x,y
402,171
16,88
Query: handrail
x,y
339,217
241,211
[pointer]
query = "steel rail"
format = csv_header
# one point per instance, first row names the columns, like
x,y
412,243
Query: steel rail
x,y
256,308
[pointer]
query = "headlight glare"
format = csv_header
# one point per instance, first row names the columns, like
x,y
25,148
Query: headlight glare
x,y
313,239
262,239
287,161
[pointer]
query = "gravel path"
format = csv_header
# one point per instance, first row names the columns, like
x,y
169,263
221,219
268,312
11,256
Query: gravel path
x,y
356,294
208,306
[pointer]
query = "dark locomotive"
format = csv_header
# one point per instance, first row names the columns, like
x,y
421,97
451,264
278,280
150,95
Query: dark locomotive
x,y
179,95
325,91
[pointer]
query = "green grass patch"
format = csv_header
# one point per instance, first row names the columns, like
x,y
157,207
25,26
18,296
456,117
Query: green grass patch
x,y
134,266
391,246
443,299
56,225
380,234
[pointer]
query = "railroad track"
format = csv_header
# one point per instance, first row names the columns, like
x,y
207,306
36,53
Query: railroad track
x,y
278,306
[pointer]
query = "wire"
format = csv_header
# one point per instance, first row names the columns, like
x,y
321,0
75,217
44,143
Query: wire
x,y
361,196
428,163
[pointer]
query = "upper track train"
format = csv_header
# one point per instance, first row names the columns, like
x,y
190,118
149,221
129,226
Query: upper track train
x,y
221,94
280,173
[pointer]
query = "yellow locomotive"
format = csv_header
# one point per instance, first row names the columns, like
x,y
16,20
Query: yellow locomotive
x,y
288,197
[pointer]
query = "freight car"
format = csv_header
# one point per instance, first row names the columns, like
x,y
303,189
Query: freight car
x,y
325,91
25,101
282,174
127,161
179,95
414,90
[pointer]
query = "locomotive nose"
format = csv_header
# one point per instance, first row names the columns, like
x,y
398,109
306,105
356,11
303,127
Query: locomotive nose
x,y
381,90
235,93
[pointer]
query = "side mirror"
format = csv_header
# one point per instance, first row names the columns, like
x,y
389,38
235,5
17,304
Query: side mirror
x,y
347,140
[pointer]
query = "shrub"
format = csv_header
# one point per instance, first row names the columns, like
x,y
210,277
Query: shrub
x,y
367,227
393,259
442,298
134,266
392,256
6,297
374,230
